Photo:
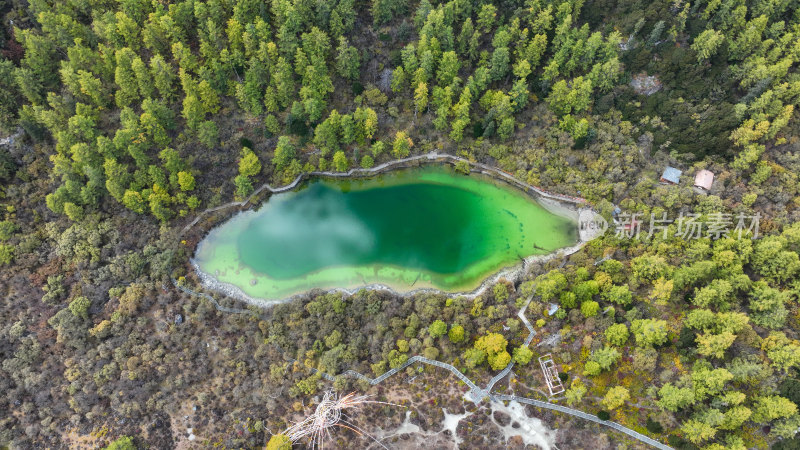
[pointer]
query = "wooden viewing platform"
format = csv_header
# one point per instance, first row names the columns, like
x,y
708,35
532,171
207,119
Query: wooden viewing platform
x,y
550,372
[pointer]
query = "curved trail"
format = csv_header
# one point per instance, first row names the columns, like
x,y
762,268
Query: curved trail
x,y
476,394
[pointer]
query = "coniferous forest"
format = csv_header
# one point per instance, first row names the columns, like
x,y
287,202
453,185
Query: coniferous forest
x,y
123,120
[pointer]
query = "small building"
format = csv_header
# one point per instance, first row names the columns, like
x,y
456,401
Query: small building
x,y
552,309
704,179
671,175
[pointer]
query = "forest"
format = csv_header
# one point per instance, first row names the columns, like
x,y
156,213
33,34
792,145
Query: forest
x,y
122,120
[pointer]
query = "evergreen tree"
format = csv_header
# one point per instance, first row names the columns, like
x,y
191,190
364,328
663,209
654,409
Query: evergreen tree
x,y
193,111
125,78
347,60
402,145
486,17
707,44
421,97
340,163
448,68
249,165
163,77
284,153
143,77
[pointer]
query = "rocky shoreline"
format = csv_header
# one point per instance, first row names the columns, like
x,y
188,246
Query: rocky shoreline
x,y
512,274
554,203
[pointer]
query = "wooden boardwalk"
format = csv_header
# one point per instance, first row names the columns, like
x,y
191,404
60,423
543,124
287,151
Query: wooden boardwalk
x,y
475,394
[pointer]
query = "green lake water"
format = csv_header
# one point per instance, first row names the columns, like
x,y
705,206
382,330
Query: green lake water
x,y
408,229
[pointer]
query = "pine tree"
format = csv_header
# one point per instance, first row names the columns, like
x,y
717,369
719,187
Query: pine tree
x,y
347,60
249,165
655,34
316,86
117,178
697,431
193,111
707,44
340,163
486,17
366,124
283,82
348,129
461,115
284,153
398,80
420,97
163,77
402,145
208,97
448,68
143,77
604,75
467,30
124,77
385,10
499,64
326,135
93,87
133,200
243,186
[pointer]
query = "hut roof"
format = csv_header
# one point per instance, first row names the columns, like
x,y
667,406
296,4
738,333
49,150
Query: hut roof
x,y
671,175
704,179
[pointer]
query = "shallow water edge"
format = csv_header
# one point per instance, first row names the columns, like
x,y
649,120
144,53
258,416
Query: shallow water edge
x,y
577,210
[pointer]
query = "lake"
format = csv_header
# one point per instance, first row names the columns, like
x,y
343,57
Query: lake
x,y
428,227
